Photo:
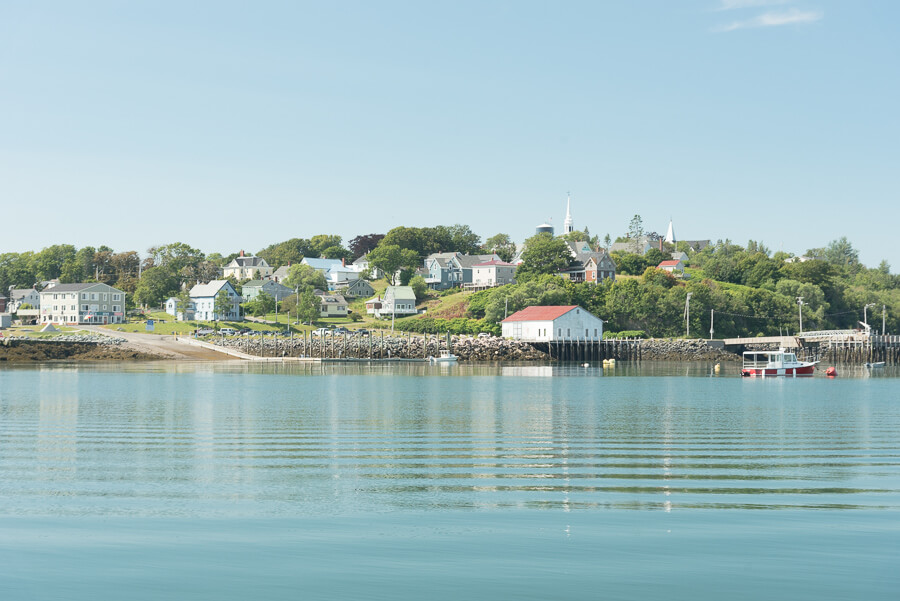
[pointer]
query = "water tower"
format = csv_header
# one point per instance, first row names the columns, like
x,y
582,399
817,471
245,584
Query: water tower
x,y
544,228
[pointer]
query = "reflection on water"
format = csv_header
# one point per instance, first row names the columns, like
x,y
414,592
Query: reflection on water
x,y
346,438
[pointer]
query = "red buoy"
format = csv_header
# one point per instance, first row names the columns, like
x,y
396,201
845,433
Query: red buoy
x,y
831,372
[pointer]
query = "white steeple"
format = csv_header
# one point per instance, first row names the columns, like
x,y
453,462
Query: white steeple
x,y
670,233
568,224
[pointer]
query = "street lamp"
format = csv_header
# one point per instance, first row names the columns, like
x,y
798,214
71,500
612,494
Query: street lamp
x,y
865,315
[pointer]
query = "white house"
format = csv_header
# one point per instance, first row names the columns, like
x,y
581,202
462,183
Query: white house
x,y
204,298
247,267
82,303
550,324
493,273
336,271
21,296
671,265
172,309
399,301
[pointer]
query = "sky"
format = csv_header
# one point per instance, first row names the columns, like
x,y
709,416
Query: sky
x,y
235,125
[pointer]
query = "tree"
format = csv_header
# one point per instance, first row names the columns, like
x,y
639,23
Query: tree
x,y
630,263
419,287
543,254
304,276
463,239
223,306
841,253
658,277
308,307
287,252
319,243
156,285
607,242
262,304
654,257
502,245
635,232
183,303
337,252
364,244
390,258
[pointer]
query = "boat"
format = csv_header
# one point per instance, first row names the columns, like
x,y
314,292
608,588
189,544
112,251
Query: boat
x,y
444,357
876,364
775,363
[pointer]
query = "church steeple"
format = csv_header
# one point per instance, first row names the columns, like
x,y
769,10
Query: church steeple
x,y
569,223
670,233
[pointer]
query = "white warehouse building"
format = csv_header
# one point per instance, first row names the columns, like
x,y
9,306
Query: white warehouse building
x,y
550,324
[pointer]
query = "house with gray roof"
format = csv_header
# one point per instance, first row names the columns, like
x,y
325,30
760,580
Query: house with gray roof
x,y
355,289
247,267
398,301
277,291
590,267
92,303
21,296
204,298
446,270
332,305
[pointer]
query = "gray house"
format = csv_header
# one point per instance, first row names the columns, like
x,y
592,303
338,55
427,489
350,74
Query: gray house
x,y
356,289
446,270
277,291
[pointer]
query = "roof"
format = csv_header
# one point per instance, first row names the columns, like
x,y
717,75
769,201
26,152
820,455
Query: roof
x,y
469,261
540,313
247,261
669,263
210,289
75,287
17,293
253,284
326,264
493,262
400,293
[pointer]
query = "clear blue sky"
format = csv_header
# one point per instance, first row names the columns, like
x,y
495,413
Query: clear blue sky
x,y
233,125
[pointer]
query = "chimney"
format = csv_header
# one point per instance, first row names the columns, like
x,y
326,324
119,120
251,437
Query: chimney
x,y
343,262
660,245
242,253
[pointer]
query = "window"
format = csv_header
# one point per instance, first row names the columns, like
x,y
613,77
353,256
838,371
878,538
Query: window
x,y
595,332
83,296
84,307
568,332
586,333
559,333
93,296
116,297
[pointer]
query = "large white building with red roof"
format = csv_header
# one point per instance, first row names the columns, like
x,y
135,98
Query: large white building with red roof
x,y
553,324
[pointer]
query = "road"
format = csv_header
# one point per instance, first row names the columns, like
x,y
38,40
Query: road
x,y
165,346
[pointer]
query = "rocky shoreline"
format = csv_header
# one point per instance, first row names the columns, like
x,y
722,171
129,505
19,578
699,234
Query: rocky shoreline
x,y
468,348
97,347
69,347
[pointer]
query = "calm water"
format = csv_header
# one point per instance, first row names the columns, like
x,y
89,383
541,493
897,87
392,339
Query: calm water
x,y
230,481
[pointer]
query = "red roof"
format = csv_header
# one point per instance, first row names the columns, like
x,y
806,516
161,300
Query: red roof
x,y
540,313
493,262
670,263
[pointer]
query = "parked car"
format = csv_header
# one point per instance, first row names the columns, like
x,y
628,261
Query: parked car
x,y
205,331
362,332
228,331
320,332
485,335
341,330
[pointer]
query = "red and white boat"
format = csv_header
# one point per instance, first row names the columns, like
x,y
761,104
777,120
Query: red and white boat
x,y
775,363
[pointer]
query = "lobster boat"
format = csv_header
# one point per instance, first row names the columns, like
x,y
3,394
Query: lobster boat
x,y
775,363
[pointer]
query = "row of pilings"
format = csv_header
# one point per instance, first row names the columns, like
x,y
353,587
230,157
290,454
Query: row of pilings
x,y
875,350
625,349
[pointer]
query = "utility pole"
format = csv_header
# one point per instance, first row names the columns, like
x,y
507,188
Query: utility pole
x,y
712,319
506,308
687,314
800,304
882,319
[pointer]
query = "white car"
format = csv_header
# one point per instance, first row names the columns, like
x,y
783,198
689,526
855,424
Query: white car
x,y
205,331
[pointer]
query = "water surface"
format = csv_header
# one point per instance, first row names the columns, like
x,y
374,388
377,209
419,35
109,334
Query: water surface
x,y
232,481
